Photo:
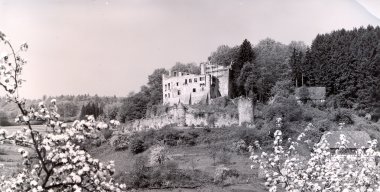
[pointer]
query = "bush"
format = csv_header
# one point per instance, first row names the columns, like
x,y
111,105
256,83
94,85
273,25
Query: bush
x,y
223,173
376,115
287,108
249,136
224,157
323,125
2,152
342,115
120,142
107,133
138,177
137,146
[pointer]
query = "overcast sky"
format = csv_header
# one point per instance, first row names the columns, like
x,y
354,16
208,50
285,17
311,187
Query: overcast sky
x,y
110,47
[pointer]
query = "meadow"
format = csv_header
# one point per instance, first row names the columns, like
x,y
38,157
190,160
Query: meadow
x,y
10,158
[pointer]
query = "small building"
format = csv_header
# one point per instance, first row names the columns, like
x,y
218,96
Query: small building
x,y
355,140
314,94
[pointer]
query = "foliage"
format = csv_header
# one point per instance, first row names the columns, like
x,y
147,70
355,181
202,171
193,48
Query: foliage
x,y
250,79
157,155
223,173
91,109
224,55
224,156
121,141
347,63
4,119
287,108
304,94
57,163
166,175
342,115
155,86
111,110
134,106
68,109
283,88
191,68
240,146
322,171
246,55
272,61
137,146
295,61
211,120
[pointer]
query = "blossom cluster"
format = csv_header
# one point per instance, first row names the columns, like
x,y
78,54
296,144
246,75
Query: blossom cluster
x,y
56,161
323,171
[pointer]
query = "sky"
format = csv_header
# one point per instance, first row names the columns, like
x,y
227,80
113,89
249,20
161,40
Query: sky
x,y
109,47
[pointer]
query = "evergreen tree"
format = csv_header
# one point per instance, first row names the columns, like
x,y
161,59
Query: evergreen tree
x,y
246,55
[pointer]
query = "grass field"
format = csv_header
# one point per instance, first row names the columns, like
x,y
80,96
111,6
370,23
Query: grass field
x,y
10,159
189,157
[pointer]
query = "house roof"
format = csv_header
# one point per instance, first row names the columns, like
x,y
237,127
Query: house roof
x,y
356,139
315,93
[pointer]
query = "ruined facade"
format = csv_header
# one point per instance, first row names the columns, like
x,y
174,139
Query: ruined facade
x,y
188,116
179,87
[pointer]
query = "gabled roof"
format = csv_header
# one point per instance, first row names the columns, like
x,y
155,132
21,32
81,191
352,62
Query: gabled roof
x,y
356,139
315,93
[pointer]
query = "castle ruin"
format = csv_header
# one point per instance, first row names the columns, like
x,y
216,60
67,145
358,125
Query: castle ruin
x,y
179,87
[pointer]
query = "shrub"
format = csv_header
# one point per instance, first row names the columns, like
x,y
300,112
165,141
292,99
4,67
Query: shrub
x,y
224,157
304,94
2,152
137,146
120,142
376,115
222,173
157,155
211,120
138,177
307,117
322,171
342,115
249,136
287,108
323,125
107,133
240,146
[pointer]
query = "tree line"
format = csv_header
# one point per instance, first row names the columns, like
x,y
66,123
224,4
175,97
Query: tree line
x,y
346,62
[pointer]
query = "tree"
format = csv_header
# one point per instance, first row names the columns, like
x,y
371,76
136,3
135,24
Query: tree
x,y
346,62
155,86
295,62
57,163
272,61
304,94
91,108
246,55
191,68
67,109
111,111
135,106
322,171
249,78
224,55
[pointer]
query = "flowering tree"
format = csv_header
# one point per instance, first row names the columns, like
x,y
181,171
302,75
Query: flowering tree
x,y
56,163
323,171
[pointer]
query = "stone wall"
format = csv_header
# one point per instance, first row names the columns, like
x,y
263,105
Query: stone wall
x,y
180,116
245,110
